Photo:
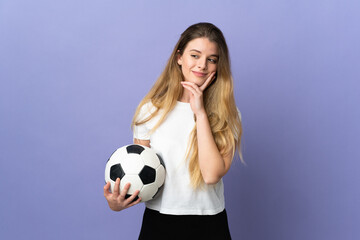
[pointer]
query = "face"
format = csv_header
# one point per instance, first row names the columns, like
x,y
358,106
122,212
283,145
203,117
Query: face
x,y
199,60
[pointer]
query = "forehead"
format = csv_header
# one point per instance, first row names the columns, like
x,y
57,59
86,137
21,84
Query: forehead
x,y
203,45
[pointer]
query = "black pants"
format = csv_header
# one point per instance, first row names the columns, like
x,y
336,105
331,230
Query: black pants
x,y
185,227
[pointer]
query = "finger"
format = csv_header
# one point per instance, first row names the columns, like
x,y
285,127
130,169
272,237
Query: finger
x,y
125,190
193,85
190,88
132,197
106,189
117,187
135,202
190,83
208,81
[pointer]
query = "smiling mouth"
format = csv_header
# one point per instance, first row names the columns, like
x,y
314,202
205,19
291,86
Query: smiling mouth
x,y
199,74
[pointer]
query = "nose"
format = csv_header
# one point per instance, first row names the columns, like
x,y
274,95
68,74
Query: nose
x,y
202,64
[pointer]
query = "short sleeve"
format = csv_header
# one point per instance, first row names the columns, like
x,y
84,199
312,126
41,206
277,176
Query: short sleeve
x,y
142,131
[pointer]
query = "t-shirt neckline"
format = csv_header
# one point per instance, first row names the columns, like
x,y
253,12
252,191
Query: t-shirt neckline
x,y
183,105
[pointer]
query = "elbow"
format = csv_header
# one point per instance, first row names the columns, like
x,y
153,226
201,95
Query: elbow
x,y
212,177
211,180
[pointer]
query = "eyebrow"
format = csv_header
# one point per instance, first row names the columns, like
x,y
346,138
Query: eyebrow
x,y
213,55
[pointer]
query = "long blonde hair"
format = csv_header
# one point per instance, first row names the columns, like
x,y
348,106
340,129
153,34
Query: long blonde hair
x,y
218,98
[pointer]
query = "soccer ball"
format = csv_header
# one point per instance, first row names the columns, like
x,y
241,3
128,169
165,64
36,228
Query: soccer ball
x,y
138,165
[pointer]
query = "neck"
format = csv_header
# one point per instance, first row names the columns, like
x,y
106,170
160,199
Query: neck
x,y
185,96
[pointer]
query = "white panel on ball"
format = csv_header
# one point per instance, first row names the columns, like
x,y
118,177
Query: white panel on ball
x,y
136,183
148,191
150,158
160,176
118,154
130,164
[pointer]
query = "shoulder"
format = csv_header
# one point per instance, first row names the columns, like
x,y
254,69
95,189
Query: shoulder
x,y
146,109
145,112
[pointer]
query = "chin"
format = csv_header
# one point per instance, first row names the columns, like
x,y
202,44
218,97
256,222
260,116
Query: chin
x,y
197,81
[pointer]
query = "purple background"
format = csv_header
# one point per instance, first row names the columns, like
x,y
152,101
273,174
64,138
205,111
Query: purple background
x,y
73,72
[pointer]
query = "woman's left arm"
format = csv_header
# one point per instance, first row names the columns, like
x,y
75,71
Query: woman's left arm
x,y
213,166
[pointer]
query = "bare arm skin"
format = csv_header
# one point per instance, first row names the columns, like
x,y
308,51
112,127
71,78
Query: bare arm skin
x,y
212,165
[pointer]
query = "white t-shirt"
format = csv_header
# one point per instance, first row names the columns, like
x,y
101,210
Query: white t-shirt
x,y
170,141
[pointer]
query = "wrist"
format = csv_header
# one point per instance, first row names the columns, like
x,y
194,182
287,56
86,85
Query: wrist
x,y
201,114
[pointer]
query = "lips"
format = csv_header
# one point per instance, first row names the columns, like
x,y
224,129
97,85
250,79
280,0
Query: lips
x,y
199,74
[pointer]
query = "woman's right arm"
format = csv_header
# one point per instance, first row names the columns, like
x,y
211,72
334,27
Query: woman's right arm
x,y
116,200
145,143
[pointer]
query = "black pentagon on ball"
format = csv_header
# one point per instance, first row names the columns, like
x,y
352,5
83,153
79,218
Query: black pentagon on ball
x,y
116,171
147,175
135,149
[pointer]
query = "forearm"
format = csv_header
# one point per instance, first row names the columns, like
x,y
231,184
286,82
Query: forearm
x,y
211,163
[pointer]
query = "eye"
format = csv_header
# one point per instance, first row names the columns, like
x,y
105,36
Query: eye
x,y
212,60
194,56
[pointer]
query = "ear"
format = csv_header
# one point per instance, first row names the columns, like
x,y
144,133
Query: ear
x,y
179,58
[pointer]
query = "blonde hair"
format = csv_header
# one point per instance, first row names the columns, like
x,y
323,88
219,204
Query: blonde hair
x,y
218,98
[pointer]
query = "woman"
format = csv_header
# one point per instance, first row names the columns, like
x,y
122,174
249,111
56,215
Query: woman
x,y
189,117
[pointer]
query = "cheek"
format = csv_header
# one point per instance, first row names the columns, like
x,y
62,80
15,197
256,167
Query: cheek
x,y
213,67
188,63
